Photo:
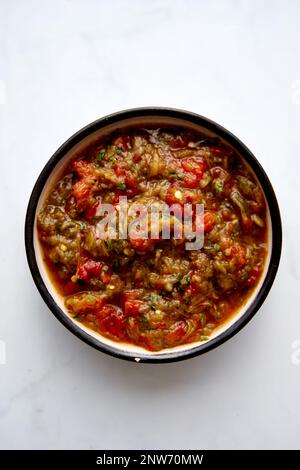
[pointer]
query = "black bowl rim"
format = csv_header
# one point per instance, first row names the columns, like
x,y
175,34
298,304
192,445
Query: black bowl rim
x,y
276,227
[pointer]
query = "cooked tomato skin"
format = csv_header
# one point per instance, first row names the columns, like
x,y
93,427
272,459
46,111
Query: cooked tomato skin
x,y
177,333
191,180
178,195
83,188
82,168
179,142
91,211
238,255
191,170
70,288
89,268
221,151
133,307
253,276
209,221
119,171
132,294
140,244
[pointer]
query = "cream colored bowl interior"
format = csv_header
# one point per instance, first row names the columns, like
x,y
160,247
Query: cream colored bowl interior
x,y
76,151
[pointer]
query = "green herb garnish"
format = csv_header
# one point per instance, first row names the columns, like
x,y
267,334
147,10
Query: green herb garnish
x,y
119,150
150,262
100,156
219,186
121,186
183,282
145,321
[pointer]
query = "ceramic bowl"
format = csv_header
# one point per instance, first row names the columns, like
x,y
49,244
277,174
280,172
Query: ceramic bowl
x,y
146,117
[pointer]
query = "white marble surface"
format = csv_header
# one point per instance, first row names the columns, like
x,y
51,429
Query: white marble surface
x,y
64,64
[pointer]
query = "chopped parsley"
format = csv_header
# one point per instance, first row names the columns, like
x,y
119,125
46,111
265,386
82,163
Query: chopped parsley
x,y
121,186
219,186
184,282
234,235
144,321
100,156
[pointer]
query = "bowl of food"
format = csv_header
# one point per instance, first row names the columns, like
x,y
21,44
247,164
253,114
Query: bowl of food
x,y
153,234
